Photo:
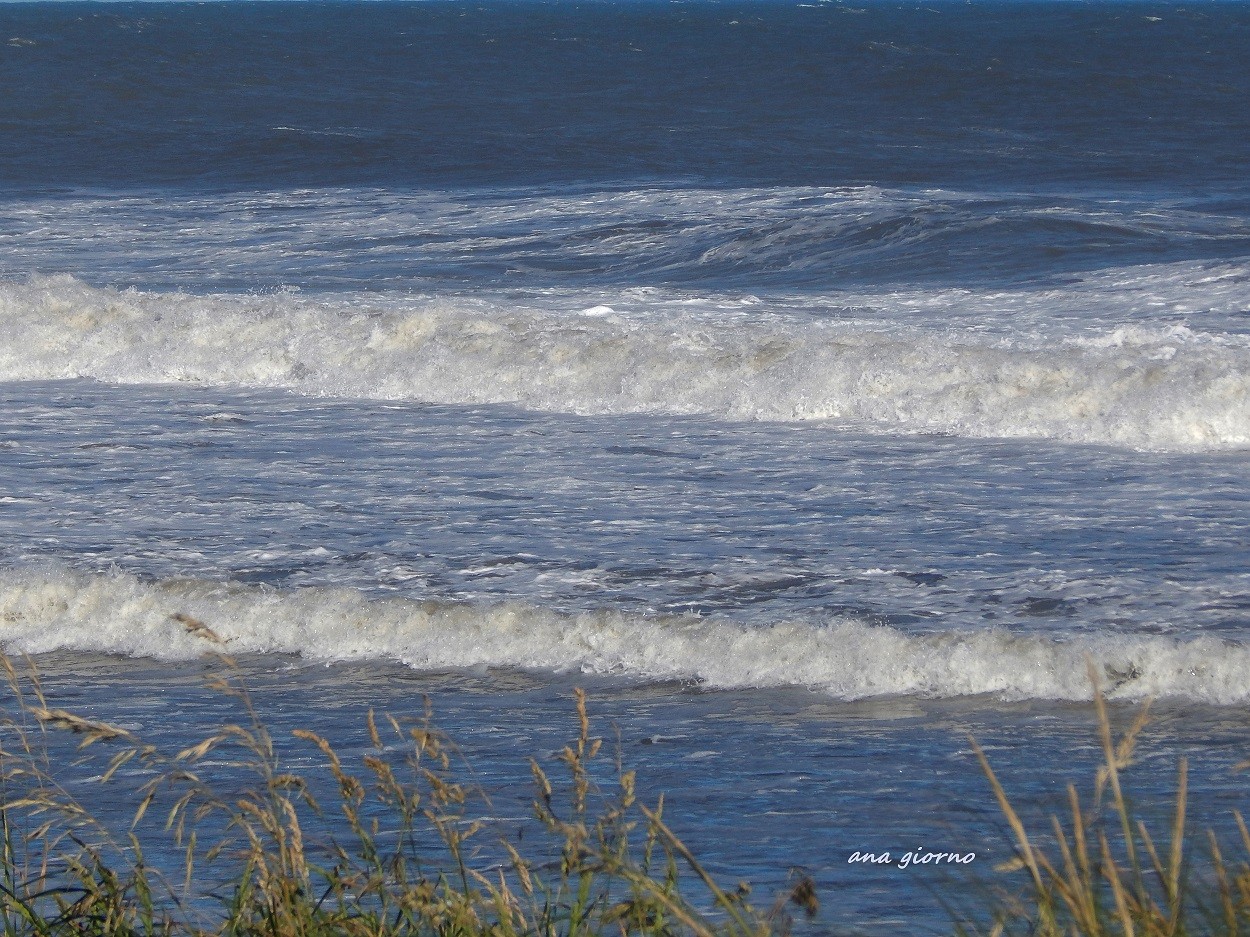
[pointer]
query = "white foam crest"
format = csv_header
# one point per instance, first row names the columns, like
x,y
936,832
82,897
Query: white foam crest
x,y
56,608
1172,389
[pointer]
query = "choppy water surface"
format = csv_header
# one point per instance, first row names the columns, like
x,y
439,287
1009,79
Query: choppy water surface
x,y
818,384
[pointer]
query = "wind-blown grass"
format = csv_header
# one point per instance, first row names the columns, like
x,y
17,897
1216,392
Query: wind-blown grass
x,y
394,841
1102,873
406,846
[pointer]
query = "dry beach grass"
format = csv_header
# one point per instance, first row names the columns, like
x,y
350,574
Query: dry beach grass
x,y
405,845
1103,873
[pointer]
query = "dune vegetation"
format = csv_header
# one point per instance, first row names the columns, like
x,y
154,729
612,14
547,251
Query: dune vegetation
x,y
407,845
399,842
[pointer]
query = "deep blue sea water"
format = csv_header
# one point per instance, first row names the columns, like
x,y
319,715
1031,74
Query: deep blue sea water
x,y
816,383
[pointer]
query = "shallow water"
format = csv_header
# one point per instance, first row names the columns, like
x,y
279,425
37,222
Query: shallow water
x,y
761,784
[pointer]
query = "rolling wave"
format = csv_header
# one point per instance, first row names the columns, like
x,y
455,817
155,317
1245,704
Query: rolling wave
x,y
1151,388
56,608
544,236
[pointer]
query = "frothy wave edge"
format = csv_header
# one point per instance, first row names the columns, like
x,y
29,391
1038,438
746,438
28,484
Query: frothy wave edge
x,y
49,609
1161,389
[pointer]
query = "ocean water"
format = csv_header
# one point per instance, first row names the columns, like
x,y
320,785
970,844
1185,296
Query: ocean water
x,y
816,384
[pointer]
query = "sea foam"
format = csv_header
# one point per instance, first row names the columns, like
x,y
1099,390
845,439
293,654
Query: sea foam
x,y
1166,388
45,609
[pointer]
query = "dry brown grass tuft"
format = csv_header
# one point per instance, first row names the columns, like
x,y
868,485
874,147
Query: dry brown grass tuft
x,y
406,849
1102,872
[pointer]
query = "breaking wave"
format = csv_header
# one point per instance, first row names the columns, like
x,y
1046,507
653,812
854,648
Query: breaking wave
x,y
1166,388
56,608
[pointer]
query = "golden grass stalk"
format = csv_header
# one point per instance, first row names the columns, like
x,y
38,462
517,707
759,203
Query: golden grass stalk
x,y
405,850
1109,879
